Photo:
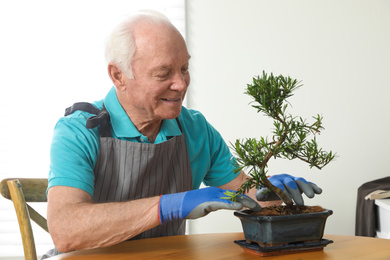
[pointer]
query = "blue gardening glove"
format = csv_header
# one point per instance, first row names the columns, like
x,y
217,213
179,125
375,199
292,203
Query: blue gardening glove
x,y
292,186
198,203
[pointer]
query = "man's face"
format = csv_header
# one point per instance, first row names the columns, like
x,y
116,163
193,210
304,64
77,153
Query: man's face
x,y
161,77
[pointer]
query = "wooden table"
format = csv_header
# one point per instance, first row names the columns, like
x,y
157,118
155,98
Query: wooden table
x,y
221,246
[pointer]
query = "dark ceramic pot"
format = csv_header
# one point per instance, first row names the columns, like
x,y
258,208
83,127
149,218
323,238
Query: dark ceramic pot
x,y
282,230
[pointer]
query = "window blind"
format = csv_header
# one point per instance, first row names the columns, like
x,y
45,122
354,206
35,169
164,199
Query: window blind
x,y
52,55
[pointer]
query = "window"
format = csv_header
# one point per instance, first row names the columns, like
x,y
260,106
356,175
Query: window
x,y
52,55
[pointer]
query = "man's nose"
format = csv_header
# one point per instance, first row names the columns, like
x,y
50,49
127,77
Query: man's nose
x,y
180,82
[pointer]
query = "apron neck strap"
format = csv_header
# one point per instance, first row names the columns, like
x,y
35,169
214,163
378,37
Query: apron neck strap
x,y
178,123
101,117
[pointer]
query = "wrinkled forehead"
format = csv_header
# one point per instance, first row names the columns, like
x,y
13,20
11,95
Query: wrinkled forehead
x,y
145,31
159,41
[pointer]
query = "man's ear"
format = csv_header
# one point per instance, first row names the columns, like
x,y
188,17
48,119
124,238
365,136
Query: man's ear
x,y
116,75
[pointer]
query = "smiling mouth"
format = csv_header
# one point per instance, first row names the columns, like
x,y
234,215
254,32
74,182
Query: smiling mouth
x,y
172,99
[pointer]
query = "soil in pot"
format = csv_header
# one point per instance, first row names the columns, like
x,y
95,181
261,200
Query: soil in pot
x,y
284,210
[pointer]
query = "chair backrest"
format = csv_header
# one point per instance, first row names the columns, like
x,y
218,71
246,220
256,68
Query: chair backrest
x,y
20,191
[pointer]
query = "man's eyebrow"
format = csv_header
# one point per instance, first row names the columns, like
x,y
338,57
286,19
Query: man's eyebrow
x,y
165,67
161,68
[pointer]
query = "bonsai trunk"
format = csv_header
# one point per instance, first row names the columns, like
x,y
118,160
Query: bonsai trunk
x,y
279,192
262,166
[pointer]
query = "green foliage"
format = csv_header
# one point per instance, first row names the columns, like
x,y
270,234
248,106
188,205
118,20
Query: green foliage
x,y
292,137
270,93
230,196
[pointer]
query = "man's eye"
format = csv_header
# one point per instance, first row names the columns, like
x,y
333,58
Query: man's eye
x,y
184,70
162,75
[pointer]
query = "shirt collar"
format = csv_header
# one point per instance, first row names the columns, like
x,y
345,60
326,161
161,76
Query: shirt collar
x,y
124,128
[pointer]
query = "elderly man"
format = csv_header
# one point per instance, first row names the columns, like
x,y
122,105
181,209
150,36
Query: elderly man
x,y
130,165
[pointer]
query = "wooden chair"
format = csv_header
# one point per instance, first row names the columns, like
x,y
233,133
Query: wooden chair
x,y
21,191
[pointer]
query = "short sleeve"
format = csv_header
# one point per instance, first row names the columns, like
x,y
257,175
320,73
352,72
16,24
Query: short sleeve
x,y
221,168
210,157
73,153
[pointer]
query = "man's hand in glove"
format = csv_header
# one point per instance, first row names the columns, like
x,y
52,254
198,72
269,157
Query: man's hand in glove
x,y
198,203
292,186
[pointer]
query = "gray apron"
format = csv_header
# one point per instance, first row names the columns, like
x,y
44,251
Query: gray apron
x,y
127,170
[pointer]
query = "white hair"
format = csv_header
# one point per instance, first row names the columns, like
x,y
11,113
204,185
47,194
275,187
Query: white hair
x,y
120,44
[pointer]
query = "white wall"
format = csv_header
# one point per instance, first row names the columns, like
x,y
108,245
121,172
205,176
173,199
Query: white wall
x,y
341,52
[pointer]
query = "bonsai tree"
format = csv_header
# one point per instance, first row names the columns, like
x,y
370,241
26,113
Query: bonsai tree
x,y
292,137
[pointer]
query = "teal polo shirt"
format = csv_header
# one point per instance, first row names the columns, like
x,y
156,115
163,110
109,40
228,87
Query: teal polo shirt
x,y
75,149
